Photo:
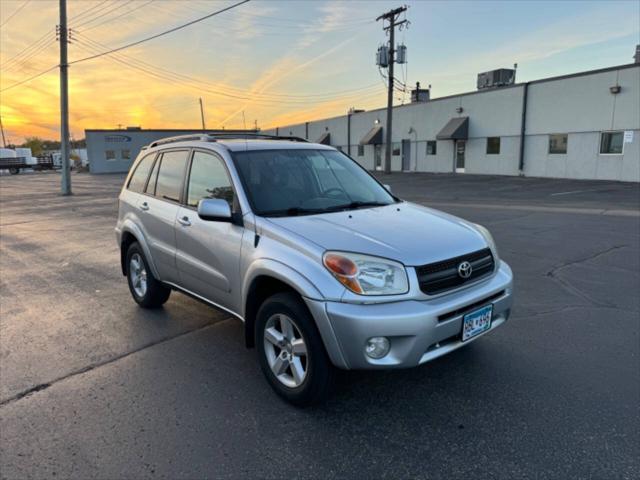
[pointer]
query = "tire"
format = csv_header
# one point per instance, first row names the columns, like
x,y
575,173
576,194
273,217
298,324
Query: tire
x,y
283,353
14,171
146,290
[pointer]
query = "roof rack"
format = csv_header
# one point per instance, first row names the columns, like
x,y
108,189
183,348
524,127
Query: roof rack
x,y
214,137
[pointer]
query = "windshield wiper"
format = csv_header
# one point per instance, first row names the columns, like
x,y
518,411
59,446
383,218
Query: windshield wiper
x,y
357,204
294,212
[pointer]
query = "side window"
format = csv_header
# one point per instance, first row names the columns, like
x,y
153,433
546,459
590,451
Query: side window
x,y
153,179
558,143
493,145
208,179
110,155
361,150
139,177
611,143
170,175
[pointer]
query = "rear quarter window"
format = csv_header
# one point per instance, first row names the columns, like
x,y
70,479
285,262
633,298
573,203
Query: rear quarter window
x,y
140,174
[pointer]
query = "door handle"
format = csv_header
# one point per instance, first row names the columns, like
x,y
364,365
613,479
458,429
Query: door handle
x,y
144,206
184,221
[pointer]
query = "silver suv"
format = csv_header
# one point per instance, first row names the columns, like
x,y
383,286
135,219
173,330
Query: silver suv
x,y
325,267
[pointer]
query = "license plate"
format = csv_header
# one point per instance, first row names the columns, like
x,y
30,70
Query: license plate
x,y
476,322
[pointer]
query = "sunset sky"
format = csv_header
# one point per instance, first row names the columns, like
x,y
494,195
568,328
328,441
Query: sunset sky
x,y
281,62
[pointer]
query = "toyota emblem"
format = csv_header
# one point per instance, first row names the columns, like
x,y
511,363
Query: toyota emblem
x,y
465,269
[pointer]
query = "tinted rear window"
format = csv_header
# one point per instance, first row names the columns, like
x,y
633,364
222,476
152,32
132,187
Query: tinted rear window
x,y
139,177
170,175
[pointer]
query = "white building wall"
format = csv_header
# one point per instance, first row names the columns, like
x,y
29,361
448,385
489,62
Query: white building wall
x,y
581,106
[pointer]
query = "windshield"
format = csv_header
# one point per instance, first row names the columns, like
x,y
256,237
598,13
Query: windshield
x,y
304,182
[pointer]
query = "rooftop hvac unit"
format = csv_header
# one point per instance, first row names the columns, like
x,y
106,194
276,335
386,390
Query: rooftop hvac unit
x,y
496,78
401,54
382,57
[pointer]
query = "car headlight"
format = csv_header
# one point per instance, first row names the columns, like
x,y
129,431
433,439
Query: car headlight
x,y
367,275
489,238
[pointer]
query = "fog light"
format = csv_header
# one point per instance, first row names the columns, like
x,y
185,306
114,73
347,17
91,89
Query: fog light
x,y
377,347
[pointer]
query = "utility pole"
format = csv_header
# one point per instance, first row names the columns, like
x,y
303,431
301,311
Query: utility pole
x,y
202,115
4,141
391,16
64,101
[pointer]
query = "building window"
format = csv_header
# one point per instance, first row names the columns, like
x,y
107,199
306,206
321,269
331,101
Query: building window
x,y
339,148
431,147
611,143
361,150
125,154
493,145
395,149
110,154
558,144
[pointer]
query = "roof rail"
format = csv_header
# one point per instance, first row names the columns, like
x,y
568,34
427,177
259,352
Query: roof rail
x,y
202,137
212,137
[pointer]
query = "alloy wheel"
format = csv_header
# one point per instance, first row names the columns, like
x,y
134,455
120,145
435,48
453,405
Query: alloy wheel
x,y
138,275
286,350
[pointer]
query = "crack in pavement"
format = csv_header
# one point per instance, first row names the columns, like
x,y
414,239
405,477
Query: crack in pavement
x,y
552,272
571,307
576,291
43,386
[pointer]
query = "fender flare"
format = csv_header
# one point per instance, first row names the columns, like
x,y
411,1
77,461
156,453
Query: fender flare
x,y
130,227
273,268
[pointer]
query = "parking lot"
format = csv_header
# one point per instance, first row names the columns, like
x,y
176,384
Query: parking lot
x,y
91,386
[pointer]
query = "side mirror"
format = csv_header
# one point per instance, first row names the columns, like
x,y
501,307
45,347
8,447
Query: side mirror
x,y
214,209
388,187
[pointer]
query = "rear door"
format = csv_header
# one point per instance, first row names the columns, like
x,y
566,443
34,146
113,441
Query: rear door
x,y
208,252
159,206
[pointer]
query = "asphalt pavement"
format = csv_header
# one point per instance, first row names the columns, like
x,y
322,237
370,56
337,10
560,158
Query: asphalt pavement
x,y
91,386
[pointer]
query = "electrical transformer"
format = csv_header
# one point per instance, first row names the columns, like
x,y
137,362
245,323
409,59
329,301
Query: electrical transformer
x,y
382,57
401,54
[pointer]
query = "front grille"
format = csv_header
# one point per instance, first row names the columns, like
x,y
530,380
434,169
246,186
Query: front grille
x,y
441,276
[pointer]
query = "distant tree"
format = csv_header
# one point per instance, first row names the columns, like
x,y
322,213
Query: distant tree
x,y
36,144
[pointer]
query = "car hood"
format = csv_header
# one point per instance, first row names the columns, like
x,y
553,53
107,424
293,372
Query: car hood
x,y
408,233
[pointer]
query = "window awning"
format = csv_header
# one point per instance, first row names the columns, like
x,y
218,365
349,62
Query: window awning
x,y
325,139
455,129
373,137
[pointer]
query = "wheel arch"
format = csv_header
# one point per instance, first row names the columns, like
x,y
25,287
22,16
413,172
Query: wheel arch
x,y
264,279
132,233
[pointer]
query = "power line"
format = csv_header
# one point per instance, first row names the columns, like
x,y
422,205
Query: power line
x,y
128,12
118,6
29,79
21,64
238,93
15,13
88,12
188,82
166,32
28,48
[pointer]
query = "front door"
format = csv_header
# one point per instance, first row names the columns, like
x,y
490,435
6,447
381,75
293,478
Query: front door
x,y
208,252
406,155
377,149
459,150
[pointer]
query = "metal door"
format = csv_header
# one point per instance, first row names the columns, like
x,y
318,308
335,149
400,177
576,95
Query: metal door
x,y
460,149
377,150
406,155
208,252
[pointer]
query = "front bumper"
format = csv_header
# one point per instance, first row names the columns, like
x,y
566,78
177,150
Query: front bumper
x,y
419,331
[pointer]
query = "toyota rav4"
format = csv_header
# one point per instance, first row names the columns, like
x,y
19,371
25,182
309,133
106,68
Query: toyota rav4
x,y
324,265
